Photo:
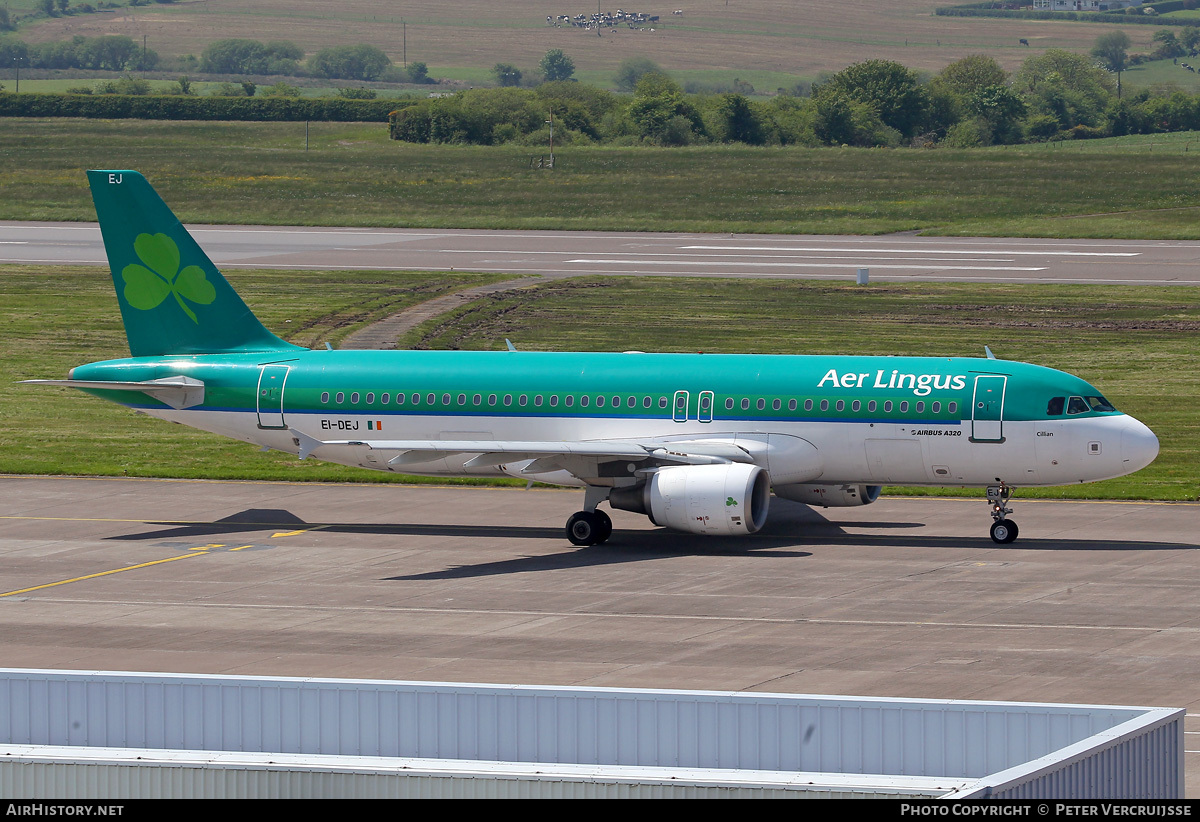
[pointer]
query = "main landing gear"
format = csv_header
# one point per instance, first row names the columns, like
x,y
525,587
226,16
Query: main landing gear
x,y
1004,530
590,526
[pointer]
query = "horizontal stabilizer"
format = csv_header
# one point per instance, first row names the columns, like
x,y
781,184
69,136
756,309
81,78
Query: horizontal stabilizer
x,y
177,392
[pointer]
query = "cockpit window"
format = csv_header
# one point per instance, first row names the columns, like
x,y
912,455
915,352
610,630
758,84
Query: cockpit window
x,y
1099,404
1076,405
1054,408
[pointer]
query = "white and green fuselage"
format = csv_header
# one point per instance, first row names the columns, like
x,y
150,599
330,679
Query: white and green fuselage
x,y
872,420
695,441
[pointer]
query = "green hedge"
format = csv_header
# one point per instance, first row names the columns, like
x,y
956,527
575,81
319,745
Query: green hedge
x,y
1118,17
178,107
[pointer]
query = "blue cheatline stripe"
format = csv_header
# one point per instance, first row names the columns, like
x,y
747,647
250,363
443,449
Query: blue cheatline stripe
x,y
372,415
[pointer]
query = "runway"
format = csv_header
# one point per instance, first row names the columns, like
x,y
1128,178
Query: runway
x,y
907,597
564,253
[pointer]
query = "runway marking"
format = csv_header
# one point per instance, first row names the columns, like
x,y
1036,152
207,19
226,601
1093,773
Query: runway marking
x,y
144,521
870,250
199,550
99,574
636,255
55,262
848,261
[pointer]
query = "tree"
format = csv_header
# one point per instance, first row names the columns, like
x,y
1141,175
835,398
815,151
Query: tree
x,y
418,72
361,62
1111,50
971,73
1001,109
660,112
891,90
107,53
506,74
1190,38
1066,86
556,66
235,56
1168,45
13,52
633,69
735,120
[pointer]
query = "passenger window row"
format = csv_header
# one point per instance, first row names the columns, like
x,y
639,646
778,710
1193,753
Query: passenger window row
x,y
600,401
856,406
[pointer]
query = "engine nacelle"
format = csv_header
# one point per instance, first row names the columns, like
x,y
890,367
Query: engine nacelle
x,y
829,496
702,499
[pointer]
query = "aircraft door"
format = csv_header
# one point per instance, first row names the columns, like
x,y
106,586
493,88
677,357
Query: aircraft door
x,y
987,409
705,412
679,411
270,396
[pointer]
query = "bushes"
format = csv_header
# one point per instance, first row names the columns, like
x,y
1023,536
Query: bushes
x,y
361,62
234,56
178,107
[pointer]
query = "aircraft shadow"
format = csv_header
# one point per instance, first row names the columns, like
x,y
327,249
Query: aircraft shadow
x,y
791,527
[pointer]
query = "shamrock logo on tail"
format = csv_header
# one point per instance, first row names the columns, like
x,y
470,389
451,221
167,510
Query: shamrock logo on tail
x,y
146,286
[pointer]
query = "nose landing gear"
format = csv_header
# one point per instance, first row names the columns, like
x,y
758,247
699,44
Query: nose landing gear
x,y
1004,530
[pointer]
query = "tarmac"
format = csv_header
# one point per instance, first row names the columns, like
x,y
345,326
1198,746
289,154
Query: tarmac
x,y
1095,603
554,254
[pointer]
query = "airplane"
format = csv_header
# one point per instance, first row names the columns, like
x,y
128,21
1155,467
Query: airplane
x,y
697,442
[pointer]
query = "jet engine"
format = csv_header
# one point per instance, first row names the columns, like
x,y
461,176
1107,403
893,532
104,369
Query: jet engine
x,y
701,499
829,496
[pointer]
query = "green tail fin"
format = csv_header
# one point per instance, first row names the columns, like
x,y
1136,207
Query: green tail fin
x,y
173,299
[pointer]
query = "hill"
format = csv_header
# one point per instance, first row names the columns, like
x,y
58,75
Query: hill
x,y
765,40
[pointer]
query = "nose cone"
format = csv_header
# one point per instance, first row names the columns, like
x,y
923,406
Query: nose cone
x,y
1139,446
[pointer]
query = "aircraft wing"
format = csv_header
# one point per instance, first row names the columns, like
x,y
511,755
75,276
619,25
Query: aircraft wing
x,y
546,454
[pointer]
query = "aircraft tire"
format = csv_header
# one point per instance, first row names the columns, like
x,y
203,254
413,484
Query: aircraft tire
x,y
604,526
1004,531
583,528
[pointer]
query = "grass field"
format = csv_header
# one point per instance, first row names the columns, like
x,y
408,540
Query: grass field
x,y
56,318
1161,75
782,36
1136,344
353,175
